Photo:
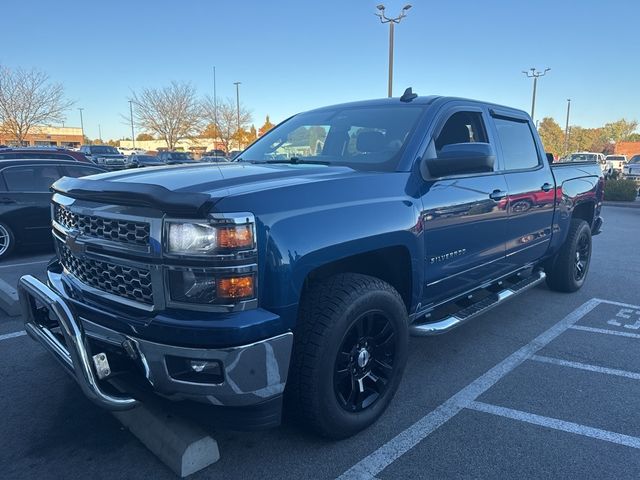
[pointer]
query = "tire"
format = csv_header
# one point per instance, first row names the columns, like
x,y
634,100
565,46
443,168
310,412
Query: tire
x,y
333,314
569,268
7,241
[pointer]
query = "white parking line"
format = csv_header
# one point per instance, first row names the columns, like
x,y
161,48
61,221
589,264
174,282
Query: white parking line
x,y
374,463
605,331
556,424
24,264
7,336
619,304
585,366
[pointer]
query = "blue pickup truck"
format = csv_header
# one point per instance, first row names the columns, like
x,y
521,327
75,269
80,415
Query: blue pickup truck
x,y
295,274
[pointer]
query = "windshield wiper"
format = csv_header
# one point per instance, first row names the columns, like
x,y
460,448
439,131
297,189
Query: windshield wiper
x,y
297,161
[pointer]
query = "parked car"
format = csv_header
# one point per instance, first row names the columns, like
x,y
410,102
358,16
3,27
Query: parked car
x,y
214,159
45,153
215,153
616,162
131,151
172,158
233,154
607,169
137,160
631,170
25,199
106,156
227,285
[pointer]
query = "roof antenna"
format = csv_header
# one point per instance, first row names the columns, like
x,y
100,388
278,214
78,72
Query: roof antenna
x,y
408,95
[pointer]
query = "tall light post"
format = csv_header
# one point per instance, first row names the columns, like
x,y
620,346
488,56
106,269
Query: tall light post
x,y
392,22
100,133
215,101
237,84
81,123
566,127
535,74
133,137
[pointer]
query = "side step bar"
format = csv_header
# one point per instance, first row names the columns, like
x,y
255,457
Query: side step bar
x,y
476,309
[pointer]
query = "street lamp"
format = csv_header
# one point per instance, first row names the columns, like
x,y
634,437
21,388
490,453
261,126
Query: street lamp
x,y
133,137
566,127
392,22
81,123
535,74
237,84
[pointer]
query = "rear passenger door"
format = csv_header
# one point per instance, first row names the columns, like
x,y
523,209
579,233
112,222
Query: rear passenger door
x,y
531,187
26,201
464,216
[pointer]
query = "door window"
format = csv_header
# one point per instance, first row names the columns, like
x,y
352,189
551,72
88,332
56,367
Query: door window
x,y
518,146
77,171
32,178
462,127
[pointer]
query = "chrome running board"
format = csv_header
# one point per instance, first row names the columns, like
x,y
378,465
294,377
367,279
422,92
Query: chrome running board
x,y
476,309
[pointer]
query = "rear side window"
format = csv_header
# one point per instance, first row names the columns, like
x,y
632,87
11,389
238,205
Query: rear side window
x,y
518,146
30,178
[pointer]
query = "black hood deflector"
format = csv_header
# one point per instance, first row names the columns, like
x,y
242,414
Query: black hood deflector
x,y
188,204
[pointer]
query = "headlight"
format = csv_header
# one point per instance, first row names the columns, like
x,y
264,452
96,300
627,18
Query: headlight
x,y
204,239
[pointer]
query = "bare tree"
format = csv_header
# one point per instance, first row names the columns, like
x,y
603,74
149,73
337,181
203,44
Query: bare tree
x,y
171,113
27,100
227,117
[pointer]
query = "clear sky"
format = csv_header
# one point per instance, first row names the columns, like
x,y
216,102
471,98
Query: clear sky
x,y
292,55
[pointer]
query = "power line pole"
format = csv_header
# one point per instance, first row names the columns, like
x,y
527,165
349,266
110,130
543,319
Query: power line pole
x,y
81,123
566,128
392,22
535,74
237,84
133,136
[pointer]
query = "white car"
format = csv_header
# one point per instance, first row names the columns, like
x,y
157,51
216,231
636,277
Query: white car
x,y
131,151
590,157
631,170
617,162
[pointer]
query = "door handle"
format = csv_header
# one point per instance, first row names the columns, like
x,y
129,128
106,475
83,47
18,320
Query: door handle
x,y
497,195
546,187
6,201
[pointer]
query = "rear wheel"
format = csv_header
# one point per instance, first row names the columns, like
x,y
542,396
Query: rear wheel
x,y
349,354
7,241
569,269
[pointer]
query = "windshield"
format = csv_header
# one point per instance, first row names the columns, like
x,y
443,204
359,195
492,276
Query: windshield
x,y
104,149
146,158
583,157
635,159
370,138
180,156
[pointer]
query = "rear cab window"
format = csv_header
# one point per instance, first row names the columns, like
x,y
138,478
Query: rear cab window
x,y
30,178
519,149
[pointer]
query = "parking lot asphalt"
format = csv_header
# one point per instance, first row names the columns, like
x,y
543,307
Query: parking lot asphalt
x,y
545,386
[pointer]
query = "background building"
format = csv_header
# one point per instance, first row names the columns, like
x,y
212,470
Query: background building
x,y
48,136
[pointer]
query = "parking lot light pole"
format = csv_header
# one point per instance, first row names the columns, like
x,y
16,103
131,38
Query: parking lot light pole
x,y
566,127
237,84
215,102
133,137
535,74
81,123
392,22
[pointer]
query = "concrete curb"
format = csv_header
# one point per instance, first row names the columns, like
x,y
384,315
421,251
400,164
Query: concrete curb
x,y
9,299
635,204
178,443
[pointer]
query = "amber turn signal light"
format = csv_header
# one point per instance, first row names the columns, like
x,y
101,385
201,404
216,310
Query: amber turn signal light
x,y
239,236
235,287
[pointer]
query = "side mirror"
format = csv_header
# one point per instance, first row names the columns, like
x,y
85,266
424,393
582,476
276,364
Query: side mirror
x,y
462,158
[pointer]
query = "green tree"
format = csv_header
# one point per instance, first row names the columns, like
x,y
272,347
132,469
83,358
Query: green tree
x,y
620,130
552,136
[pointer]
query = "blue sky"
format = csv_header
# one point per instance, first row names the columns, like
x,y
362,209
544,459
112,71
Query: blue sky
x,y
295,55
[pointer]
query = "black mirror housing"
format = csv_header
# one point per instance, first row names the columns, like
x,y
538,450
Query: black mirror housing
x,y
462,158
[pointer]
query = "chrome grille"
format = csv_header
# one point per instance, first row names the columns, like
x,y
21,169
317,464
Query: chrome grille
x,y
123,281
109,229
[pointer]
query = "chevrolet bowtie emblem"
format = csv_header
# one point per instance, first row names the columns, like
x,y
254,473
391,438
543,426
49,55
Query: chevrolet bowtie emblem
x,y
77,247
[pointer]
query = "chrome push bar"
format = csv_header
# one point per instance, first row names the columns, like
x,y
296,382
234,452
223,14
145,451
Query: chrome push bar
x,y
74,356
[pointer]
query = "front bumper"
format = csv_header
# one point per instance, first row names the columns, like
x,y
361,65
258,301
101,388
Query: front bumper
x,y
250,374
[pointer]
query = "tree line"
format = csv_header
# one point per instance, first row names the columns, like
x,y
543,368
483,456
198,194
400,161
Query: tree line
x,y
28,99
579,139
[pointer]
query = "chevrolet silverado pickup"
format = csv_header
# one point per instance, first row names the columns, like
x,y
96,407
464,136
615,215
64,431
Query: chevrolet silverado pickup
x,y
294,275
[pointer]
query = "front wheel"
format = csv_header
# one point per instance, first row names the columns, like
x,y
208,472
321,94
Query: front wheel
x,y
569,269
349,354
7,241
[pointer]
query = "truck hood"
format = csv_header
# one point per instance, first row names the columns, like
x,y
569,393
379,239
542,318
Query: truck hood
x,y
192,189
